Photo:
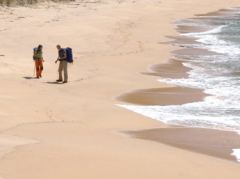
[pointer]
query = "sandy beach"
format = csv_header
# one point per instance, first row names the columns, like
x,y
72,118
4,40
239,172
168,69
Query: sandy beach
x,y
77,130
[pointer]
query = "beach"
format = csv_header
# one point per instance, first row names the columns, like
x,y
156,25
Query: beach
x,y
78,130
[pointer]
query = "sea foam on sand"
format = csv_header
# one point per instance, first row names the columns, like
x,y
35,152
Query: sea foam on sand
x,y
236,153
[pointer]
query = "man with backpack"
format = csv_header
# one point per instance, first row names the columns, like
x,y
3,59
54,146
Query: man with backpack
x,y
63,59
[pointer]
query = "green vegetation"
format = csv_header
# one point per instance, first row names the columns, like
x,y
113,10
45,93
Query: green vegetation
x,y
17,2
22,2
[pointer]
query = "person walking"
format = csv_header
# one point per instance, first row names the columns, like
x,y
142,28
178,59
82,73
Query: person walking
x,y
38,58
63,64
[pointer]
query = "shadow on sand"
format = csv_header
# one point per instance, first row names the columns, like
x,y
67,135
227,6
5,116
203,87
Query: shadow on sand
x,y
53,83
29,77
48,82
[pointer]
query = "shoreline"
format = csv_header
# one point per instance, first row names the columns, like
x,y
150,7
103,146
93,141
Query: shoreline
x,y
216,143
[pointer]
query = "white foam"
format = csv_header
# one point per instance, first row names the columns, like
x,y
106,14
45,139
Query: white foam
x,y
236,153
212,31
191,115
213,43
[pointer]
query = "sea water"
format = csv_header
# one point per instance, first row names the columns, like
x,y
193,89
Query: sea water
x,y
218,74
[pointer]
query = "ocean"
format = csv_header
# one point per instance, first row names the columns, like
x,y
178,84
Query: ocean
x,y
217,74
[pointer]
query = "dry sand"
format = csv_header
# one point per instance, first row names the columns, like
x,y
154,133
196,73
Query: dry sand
x,y
71,131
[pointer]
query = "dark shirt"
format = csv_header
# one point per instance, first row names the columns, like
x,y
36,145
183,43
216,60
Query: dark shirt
x,y
62,54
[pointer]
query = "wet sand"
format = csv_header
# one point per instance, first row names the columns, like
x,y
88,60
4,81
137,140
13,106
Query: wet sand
x,y
163,96
173,68
205,141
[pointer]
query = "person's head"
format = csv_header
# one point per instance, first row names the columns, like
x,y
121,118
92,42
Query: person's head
x,y
39,47
58,47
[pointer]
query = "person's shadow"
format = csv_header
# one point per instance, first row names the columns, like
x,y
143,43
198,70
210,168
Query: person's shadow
x,y
48,82
29,77
53,83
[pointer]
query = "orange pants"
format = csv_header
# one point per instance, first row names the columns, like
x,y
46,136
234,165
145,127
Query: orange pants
x,y
39,68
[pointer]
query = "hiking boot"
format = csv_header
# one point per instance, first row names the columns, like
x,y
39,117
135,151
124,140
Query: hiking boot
x,y
58,80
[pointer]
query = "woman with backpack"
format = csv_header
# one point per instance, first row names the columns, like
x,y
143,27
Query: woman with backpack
x,y
38,58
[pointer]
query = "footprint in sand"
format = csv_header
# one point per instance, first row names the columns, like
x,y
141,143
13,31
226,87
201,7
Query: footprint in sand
x,y
3,30
50,115
20,17
80,79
